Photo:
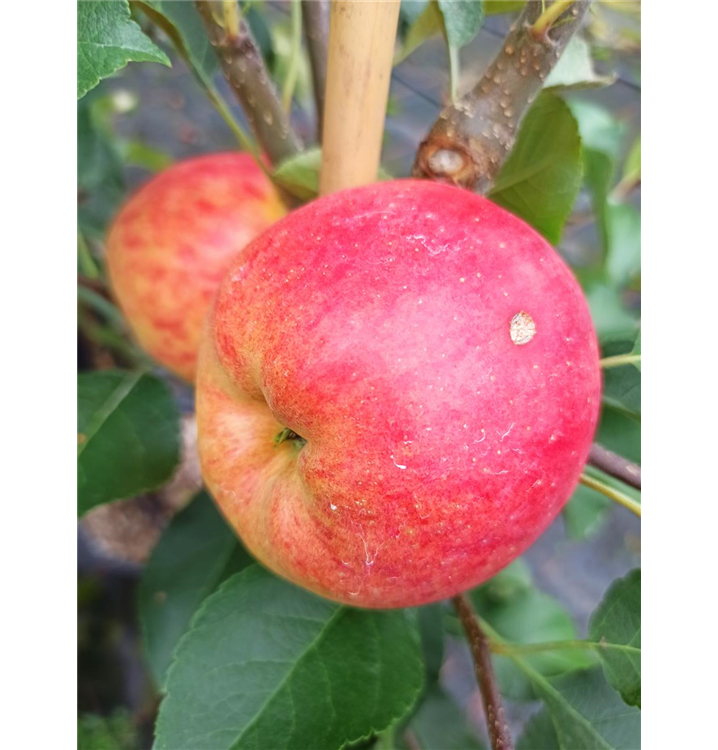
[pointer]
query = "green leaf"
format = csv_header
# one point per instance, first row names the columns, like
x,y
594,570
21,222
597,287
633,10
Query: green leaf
x,y
268,665
610,316
585,513
195,553
100,179
637,350
522,614
541,178
495,7
428,23
139,154
575,69
620,432
299,175
431,630
617,621
114,732
599,129
462,20
440,724
510,582
623,231
632,167
598,170
181,21
586,714
128,436
409,11
538,734
622,385
107,39
618,225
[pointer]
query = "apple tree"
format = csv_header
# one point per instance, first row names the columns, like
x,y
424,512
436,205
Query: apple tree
x,y
193,641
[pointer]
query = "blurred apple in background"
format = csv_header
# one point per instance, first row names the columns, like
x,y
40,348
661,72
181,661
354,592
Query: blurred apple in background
x,y
172,242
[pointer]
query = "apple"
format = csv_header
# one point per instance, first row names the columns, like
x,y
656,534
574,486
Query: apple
x,y
172,242
397,391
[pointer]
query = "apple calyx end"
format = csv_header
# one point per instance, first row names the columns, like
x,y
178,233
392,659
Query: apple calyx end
x,y
287,434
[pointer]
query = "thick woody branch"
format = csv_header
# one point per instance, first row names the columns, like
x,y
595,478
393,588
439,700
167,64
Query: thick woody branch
x,y
472,137
245,71
614,465
498,727
315,17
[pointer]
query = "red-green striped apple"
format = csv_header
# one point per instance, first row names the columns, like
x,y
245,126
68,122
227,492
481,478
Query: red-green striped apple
x,y
172,242
397,391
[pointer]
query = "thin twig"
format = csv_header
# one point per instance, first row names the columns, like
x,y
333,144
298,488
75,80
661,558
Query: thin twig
x,y
611,492
620,360
290,79
493,706
473,136
509,649
614,465
246,73
315,17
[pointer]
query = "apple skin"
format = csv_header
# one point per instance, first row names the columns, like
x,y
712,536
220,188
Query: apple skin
x,y
375,323
172,242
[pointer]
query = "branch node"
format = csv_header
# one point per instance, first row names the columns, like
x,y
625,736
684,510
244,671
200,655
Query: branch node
x,y
481,126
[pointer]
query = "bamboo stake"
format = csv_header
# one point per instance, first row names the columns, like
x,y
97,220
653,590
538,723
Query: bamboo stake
x,y
361,48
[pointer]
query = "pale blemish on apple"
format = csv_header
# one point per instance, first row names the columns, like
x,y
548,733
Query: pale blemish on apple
x,y
522,328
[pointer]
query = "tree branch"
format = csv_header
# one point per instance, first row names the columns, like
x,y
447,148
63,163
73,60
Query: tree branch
x,y
495,715
473,136
245,72
614,465
315,17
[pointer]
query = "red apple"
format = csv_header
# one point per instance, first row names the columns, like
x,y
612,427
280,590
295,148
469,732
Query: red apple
x,y
172,242
439,362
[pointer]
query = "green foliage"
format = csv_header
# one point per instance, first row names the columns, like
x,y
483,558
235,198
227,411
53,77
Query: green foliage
x,y
585,512
128,436
299,175
617,621
637,350
439,723
196,553
431,630
601,135
458,21
115,732
522,614
622,385
496,7
462,20
422,26
100,180
107,39
266,664
181,22
575,69
542,176
583,712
